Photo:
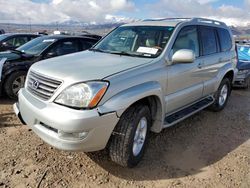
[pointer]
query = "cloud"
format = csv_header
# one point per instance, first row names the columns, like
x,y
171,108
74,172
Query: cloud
x,y
99,11
202,8
61,10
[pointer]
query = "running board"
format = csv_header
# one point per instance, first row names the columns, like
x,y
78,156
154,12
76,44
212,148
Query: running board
x,y
178,116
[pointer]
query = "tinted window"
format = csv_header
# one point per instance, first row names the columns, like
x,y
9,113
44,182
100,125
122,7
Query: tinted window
x,y
32,37
208,38
17,41
87,44
187,39
65,47
225,40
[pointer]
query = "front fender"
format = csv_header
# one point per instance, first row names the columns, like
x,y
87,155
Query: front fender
x,y
124,99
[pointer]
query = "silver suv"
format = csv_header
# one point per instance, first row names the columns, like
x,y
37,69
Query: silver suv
x,y
141,77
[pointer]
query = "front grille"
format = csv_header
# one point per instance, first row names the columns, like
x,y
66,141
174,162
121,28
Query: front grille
x,y
42,86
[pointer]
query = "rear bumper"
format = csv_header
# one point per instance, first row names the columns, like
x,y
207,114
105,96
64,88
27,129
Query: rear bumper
x,y
65,128
241,80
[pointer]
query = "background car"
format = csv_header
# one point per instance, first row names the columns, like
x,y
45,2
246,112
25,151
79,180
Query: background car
x,y
2,31
243,66
15,63
13,41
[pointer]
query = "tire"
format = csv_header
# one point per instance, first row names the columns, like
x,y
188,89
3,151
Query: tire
x,y
123,150
221,96
14,83
247,83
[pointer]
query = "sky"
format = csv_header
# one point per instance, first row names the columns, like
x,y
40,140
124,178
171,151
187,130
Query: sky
x,y
233,12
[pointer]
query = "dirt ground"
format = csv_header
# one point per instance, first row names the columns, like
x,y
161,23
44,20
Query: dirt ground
x,y
206,150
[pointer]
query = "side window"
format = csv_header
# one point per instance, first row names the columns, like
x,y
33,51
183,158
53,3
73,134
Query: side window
x,y
32,37
86,44
225,39
10,42
17,41
64,47
208,39
187,39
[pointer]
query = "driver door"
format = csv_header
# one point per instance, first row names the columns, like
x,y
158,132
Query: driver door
x,y
185,84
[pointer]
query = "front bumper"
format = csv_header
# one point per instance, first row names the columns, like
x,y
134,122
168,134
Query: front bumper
x,y
49,120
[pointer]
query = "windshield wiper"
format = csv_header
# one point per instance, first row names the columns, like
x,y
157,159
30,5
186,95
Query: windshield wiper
x,y
137,54
123,53
17,52
96,50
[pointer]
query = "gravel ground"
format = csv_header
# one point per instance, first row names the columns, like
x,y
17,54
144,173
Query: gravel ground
x,y
206,150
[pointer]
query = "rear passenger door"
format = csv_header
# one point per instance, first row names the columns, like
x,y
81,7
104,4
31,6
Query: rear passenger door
x,y
216,43
185,85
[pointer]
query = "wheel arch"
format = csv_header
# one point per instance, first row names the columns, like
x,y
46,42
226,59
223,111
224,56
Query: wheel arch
x,y
149,93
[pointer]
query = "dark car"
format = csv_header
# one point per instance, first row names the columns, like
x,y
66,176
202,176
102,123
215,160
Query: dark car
x,y
243,66
14,64
13,41
2,31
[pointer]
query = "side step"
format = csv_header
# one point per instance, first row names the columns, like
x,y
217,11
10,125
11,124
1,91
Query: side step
x,y
188,111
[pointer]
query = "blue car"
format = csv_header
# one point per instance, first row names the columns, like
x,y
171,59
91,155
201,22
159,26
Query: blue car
x,y
243,65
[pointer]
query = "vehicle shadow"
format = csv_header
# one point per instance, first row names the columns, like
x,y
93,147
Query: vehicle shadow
x,y
189,147
5,100
6,120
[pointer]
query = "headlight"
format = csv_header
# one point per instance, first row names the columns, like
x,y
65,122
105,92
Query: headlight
x,y
83,95
243,71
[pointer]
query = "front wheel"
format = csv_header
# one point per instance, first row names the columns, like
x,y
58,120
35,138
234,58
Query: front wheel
x,y
129,139
14,83
222,95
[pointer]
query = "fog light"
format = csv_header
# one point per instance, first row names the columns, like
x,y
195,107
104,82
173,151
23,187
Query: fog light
x,y
72,136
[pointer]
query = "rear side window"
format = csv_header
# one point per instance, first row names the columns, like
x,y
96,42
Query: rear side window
x,y
17,41
208,38
86,44
225,39
65,47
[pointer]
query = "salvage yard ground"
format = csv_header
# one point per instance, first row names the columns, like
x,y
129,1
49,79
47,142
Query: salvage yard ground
x,y
206,150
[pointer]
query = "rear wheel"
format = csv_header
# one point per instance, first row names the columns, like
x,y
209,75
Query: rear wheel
x,y
14,83
248,83
128,143
221,96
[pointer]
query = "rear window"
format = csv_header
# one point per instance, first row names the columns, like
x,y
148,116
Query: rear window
x,y
225,40
208,38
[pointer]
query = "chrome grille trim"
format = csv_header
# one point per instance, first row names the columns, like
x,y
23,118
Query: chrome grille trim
x,y
47,86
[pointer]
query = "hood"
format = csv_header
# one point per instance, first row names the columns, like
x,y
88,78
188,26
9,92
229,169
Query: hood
x,y
242,65
87,65
9,55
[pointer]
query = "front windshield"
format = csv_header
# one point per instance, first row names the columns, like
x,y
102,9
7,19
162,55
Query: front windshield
x,y
36,46
243,53
141,41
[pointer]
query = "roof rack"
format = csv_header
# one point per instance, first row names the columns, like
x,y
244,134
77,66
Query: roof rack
x,y
162,19
210,21
201,20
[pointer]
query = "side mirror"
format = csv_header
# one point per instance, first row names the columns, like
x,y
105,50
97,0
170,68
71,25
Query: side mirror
x,y
5,44
183,56
50,55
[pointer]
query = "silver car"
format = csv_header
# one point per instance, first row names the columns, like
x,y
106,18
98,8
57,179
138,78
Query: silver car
x,y
141,77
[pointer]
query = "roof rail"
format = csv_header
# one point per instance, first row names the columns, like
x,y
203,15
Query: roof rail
x,y
205,20
162,19
201,20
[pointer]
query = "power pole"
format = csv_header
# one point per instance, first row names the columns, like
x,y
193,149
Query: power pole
x,y
30,24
